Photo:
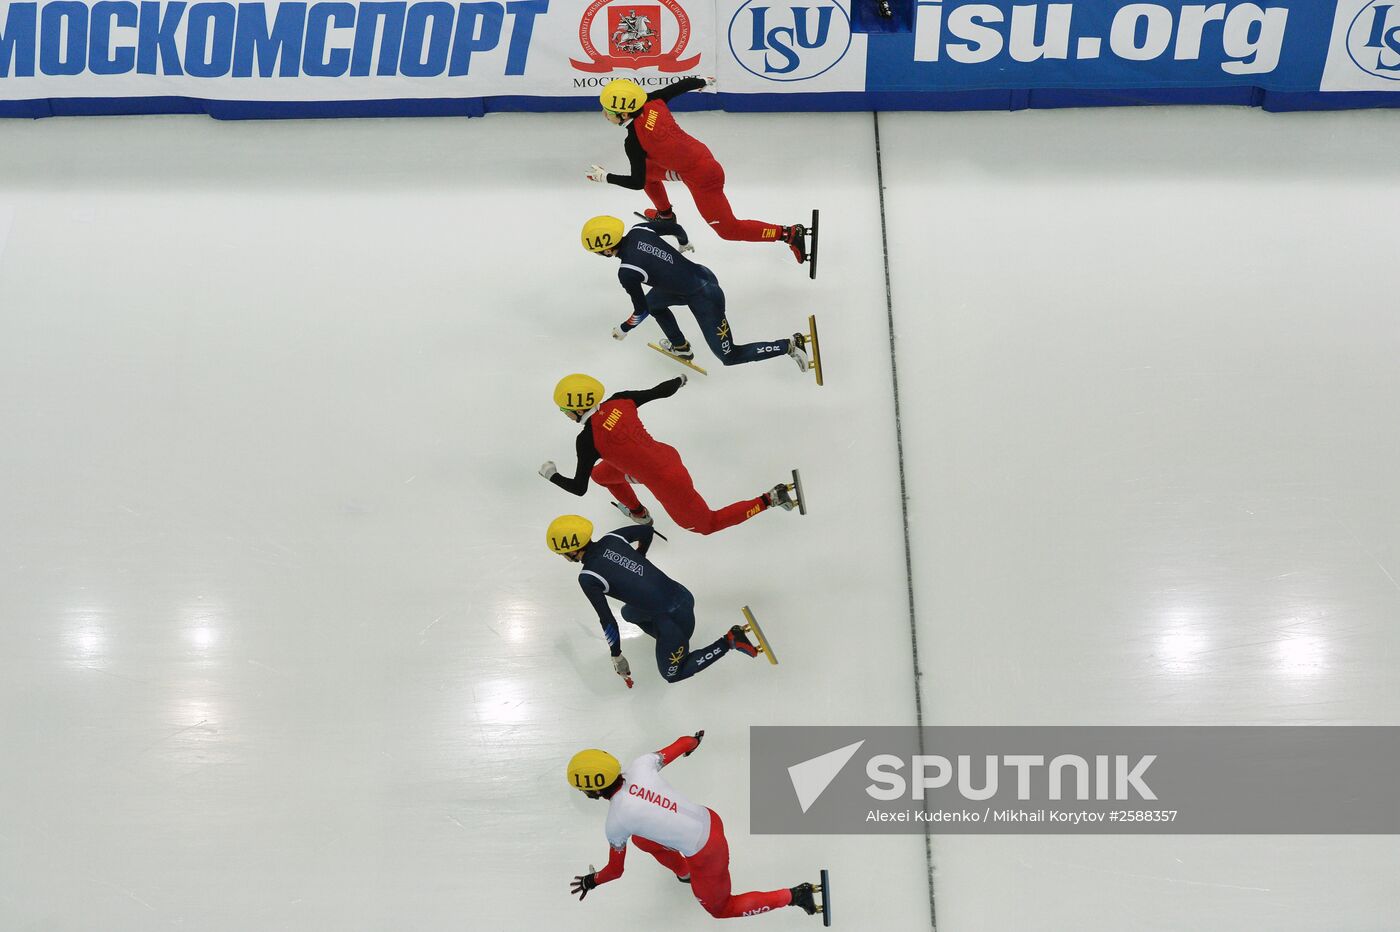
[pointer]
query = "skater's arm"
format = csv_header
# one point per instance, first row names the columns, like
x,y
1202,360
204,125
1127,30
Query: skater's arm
x,y
613,869
632,279
681,747
636,178
596,589
672,91
639,534
664,390
587,457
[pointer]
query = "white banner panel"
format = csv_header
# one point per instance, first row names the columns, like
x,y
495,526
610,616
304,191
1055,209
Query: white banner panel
x,y
1365,50
777,47
299,51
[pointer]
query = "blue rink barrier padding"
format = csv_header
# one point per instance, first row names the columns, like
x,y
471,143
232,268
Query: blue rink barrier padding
x,y
947,101
243,110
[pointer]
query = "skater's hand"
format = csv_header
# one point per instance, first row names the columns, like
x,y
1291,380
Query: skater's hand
x,y
672,175
621,667
549,470
687,247
698,736
583,884
597,173
619,333
710,83
684,378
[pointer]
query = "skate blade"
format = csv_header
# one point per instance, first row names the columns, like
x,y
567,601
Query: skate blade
x,y
763,645
824,888
796,486
683,362
812,249
815,363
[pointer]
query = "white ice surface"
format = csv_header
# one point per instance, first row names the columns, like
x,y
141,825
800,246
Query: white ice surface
x,y
1147,360
280,645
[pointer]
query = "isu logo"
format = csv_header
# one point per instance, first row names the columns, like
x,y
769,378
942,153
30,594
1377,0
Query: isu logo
x,y
789,43
636,37
1373,41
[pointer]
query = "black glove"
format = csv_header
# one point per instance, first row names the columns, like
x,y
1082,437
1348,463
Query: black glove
x,y
582,885
698,736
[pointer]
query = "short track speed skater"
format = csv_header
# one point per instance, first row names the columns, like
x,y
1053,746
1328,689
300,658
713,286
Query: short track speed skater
x,y
647,813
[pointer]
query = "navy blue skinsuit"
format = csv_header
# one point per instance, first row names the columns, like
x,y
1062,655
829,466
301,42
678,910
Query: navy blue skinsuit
x,y
647,259
651,600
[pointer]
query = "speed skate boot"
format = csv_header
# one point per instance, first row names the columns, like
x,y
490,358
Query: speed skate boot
x,y
737,640
796,238
651,213
798,351
640,517
804,896
780,497
679,350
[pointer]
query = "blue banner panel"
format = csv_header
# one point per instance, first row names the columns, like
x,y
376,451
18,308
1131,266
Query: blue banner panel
x,y
1115,44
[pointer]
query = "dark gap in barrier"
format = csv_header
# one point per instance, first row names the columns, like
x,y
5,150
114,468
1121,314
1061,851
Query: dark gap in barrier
x,y
903,500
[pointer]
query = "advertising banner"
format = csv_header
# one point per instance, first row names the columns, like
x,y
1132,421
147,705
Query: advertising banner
x,y
1106,43
270,58
292,51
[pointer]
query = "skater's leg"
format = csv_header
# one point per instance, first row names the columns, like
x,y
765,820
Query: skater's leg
x,y
674,658
655,189
615,481
642,619
670,859
675,490
706,186
683,615
659,304
708,308
709,881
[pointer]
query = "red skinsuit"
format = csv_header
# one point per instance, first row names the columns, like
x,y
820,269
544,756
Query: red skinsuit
x,y
709,877
708,868
628,450
670,148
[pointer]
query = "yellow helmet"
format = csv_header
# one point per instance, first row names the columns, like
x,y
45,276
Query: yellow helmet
x,y
622,96
602,233
568,533
593,770
578,392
